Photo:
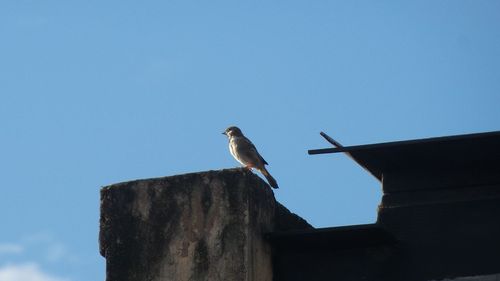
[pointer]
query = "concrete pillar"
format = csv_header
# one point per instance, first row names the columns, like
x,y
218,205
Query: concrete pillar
x,y
199,226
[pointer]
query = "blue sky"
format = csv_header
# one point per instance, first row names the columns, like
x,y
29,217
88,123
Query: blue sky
x,y
97,92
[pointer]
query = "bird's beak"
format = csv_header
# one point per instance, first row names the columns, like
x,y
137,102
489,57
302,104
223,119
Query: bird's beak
x,y
224,133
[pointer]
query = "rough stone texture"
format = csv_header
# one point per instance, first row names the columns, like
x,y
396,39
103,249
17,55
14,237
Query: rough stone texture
x,y
200,226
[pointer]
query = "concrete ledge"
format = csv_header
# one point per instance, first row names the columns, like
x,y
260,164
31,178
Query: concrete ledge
x,y
199,226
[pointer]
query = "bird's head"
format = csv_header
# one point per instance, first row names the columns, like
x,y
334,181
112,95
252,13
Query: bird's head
x,y
233,131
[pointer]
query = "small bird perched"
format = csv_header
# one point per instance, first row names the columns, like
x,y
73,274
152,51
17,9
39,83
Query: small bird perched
x,y
245,152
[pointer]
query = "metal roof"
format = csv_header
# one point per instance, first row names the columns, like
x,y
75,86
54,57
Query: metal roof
x,y
471,151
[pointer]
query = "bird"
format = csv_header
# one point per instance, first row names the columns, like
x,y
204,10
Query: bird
x,y
245,152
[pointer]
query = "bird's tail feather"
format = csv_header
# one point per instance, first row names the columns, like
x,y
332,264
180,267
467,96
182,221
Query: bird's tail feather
x,y
272,182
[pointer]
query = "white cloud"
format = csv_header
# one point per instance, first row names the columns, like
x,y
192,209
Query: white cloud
x,y
25,272
10,248
54,250
57,252
38,237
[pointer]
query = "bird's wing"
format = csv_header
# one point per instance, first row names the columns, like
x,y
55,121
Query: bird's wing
x,y
250,151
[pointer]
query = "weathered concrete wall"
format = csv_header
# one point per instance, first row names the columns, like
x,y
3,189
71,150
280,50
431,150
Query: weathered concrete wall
x,y
200,226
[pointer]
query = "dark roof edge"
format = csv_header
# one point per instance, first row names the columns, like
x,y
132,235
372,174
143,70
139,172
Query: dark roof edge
x,y
323,230
331,238
405,142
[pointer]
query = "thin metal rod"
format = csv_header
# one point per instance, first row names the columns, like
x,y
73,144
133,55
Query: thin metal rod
x,y
330,140
338,148
324,150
